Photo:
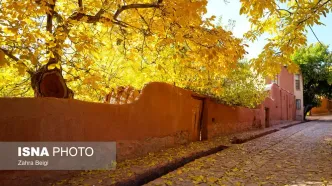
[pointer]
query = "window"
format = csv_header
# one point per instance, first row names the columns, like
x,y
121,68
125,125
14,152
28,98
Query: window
x,y
298,104
297,81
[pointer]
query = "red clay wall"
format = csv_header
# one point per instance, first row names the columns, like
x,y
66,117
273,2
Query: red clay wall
x,y
163,116
324,108
222,119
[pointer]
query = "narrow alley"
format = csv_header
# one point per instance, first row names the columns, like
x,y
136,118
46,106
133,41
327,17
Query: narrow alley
x,y
298,155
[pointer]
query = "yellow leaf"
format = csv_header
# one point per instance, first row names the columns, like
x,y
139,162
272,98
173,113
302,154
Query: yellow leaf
x,y
3,60
33,60
21,69
168,182
212,179
51,54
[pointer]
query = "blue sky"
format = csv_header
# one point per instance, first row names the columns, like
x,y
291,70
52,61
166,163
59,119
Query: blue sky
x,y
231,11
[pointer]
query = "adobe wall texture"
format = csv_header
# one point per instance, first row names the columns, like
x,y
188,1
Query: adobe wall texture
x,y
324,108
163,116
222,119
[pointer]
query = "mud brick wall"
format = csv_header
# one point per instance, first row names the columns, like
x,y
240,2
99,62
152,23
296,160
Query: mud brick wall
x,y
164,116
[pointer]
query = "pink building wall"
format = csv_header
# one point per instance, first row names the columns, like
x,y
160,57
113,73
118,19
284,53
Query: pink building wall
x,y
281,104
285,80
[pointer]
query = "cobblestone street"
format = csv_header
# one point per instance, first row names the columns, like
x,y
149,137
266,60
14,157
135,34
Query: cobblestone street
x,y
299,155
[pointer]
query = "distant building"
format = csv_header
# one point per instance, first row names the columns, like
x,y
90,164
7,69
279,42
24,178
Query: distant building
x,y
293,83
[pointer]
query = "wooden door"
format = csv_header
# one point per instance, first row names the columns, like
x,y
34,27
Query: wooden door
x,y
267,117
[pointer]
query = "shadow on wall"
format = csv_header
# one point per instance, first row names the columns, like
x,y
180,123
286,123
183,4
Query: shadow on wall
x,y
163,116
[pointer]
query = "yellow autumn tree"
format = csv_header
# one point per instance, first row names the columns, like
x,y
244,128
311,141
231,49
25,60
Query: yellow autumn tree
x,y
287,22
54,38
238,85
92,46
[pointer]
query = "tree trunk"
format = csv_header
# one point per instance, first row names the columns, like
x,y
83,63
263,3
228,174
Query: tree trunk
x,y
307,109
50,83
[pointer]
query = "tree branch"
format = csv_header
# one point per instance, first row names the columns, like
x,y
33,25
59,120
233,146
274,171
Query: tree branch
x,y
315,9
57,16
79,16
10,55
49,23
80,4
136,6
315,35
289,12
96,18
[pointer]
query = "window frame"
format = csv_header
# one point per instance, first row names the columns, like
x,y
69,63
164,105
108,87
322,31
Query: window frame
x,y
297,82
298,104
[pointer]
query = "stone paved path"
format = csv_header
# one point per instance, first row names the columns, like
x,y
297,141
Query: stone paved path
x,y
299,155
130,171
320,117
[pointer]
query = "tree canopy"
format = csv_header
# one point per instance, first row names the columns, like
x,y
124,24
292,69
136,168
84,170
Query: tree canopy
x,y
100,44
287,22
315,62
97,45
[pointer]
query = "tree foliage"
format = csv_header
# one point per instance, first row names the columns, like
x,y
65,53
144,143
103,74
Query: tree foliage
x,y
72,33
287,22
315,62
103,44
100,44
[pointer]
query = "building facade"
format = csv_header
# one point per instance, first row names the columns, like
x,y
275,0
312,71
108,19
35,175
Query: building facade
x,y
292,83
